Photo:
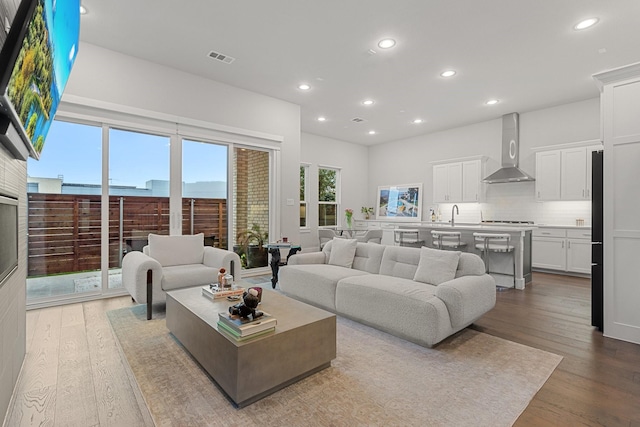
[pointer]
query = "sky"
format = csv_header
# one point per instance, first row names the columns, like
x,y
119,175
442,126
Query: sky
x,y
74,151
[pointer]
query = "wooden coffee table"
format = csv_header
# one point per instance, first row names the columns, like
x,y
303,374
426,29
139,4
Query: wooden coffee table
x,y
303,343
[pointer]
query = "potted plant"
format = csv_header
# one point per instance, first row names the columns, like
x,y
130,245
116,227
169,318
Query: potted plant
x,y
367,212
251,244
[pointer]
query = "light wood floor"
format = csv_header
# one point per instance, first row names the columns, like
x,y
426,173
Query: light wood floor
x,y
74,374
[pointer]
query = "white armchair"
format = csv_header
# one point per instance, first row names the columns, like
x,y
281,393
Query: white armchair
x,y
173,262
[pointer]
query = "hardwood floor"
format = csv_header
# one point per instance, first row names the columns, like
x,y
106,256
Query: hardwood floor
x,y
598,381
74,374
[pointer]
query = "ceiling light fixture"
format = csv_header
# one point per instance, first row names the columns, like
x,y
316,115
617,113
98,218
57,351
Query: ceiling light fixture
x,y
367,102
304,86
386,43
322,119
418,121
83,10
586,24
448,73
372,132
492,102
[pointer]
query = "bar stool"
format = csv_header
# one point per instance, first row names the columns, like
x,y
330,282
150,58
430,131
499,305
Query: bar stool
x,y
407,237
495,242
447,240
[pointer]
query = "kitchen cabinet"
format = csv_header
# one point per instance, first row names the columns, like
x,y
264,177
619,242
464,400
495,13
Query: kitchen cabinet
x,y
564,174
457,181
560,249
548,175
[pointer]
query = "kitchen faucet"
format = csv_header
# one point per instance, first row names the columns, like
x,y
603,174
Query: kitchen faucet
x,y
453,221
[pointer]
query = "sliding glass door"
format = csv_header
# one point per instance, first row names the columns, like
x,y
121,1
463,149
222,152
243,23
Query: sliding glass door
x,y
150,183
64,213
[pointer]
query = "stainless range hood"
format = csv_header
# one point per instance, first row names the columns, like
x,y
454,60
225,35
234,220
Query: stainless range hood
x,y
509,172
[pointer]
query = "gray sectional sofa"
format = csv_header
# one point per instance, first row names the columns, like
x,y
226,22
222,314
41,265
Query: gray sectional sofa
x,y
420,294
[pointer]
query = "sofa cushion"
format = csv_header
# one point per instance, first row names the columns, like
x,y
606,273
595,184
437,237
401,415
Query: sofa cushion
x,y
470,265
400,261
436,266
342,252
402,307
314,283
177,250
185,276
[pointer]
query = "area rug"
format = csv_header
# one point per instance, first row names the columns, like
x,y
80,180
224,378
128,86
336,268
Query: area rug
x,y
88,284
470,379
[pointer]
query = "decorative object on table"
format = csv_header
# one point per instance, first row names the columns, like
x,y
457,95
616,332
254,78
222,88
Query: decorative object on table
x,y
400,202
258,289
221,273
367,212
227,281
348,215
274,250
247,308
215,292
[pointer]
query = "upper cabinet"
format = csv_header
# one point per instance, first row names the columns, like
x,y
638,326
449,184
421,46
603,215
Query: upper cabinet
x,y
564,174
457,182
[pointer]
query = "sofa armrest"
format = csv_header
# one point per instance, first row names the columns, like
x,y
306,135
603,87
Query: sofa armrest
x,y
467,298
307,258
134,275
217,258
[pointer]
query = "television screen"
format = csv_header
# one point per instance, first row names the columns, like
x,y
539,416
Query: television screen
x,y
32,82
8,236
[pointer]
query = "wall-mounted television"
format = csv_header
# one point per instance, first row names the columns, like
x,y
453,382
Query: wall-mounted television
x,y
35,63
8,236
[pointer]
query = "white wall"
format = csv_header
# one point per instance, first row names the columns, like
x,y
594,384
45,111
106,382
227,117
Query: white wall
x,y
107,76
409,160
353,162
13,181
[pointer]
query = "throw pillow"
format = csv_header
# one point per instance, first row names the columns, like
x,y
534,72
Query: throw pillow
x,y
436,266
342,252
177,250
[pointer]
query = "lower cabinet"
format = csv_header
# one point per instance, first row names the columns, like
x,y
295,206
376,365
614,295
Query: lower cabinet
x,y
567,250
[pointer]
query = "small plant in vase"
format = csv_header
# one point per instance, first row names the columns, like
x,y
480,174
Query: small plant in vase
x,y
348,214
367,212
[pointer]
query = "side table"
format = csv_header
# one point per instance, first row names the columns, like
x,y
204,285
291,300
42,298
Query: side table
x,y
274,250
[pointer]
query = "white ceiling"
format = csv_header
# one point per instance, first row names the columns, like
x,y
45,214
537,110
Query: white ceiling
x,y
524,53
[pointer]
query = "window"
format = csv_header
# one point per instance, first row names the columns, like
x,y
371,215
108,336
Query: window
x,y
304,173
327,197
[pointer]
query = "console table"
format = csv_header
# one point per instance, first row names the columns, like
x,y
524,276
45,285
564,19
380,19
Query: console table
x,y
274,250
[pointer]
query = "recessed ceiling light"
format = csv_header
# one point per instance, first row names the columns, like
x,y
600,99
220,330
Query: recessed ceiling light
x,y
586,24
418,121
83,10
386,43
372,132
322,119
304,86
492,102
367,102
448,73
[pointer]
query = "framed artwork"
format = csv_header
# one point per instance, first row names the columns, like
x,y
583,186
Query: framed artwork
x,y
399,202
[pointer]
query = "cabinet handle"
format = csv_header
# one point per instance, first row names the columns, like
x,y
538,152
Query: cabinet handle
x,y
583,192
563,244
569,244
544,232
538,194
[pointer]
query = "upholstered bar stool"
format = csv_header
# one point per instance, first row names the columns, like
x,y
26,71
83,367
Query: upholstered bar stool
x,y
451,240
495,242
407,237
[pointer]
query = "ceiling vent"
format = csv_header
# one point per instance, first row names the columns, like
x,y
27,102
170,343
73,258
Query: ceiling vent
x,y
358,120
221,57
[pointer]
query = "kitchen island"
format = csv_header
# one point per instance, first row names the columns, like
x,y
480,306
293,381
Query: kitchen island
x,y
500,263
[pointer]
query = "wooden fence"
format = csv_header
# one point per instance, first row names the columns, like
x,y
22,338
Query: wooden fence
x,y
65,230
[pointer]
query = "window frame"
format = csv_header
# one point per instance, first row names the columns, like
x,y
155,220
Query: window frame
x,y
337,196
304,195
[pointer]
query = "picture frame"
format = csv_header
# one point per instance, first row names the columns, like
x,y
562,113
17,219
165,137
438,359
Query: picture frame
x,y
399,202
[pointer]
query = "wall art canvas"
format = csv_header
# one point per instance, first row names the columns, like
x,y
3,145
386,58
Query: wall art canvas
x,y
399,202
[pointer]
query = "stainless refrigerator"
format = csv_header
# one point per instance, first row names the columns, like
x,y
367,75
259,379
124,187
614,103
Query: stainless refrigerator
x,y
597,239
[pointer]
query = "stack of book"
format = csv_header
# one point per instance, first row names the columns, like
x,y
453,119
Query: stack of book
x,y
243,329
215,292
